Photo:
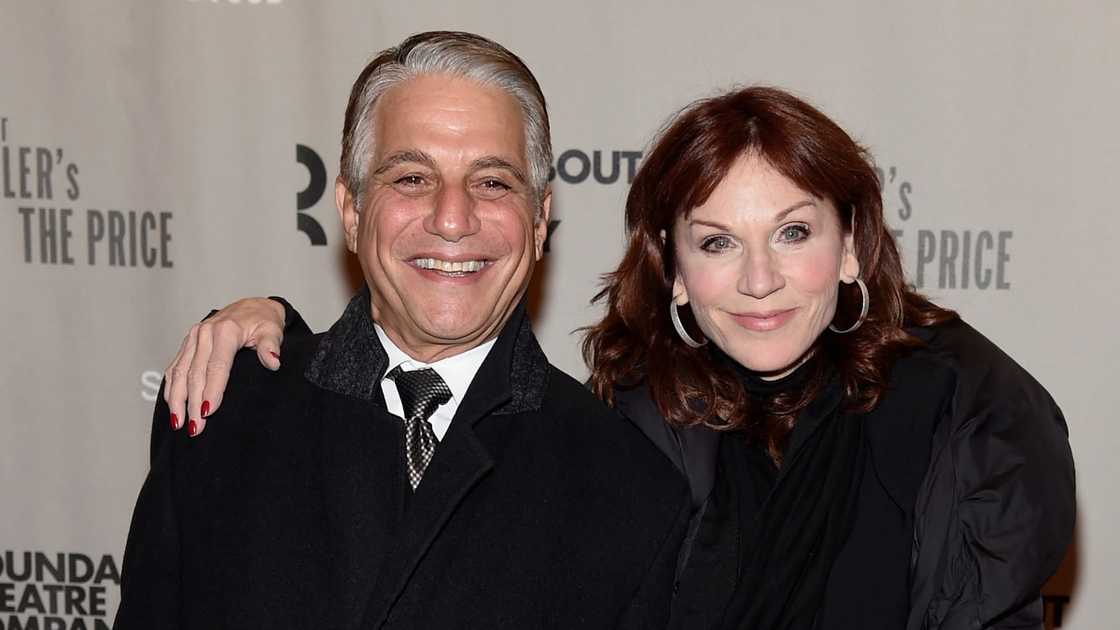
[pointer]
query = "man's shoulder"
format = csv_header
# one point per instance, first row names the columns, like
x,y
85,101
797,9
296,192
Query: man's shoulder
x,y
567,398
566,392
610,440
248,378
258,403
298,352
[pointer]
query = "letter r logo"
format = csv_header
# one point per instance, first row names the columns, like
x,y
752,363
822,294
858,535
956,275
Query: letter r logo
x,y
308,197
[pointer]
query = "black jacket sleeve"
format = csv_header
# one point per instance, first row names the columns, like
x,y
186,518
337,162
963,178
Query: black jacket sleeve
x,y
1005,455
651,605
294,326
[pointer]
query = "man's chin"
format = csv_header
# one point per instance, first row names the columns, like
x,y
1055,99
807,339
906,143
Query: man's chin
x,y
460,328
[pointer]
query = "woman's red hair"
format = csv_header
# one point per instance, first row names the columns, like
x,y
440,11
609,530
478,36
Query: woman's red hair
x,y
635,342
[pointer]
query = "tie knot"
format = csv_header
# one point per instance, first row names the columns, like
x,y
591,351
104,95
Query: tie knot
x,y
422,391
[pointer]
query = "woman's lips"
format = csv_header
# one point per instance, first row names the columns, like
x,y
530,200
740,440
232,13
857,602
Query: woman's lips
x,y
764,321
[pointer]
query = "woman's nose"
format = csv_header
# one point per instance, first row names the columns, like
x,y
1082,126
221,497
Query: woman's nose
x,y
760,276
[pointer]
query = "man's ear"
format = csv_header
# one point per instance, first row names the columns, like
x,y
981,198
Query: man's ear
x,y
348,213
540,229
849,264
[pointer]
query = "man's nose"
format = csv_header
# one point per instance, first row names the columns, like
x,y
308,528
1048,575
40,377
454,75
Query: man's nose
x,y
760,274
454,215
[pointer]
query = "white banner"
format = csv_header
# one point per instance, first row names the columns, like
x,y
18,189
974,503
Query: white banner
x,y
162,157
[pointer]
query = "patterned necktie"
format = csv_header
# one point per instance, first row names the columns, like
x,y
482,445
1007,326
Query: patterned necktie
x,y
422,392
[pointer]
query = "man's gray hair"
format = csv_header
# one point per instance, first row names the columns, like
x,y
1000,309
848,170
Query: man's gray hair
x,y
458,54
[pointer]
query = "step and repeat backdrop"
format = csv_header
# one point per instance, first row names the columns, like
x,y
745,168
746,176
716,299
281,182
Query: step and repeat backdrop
x,y
162,157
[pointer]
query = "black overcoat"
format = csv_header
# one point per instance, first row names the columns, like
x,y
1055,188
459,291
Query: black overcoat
x,y
540,509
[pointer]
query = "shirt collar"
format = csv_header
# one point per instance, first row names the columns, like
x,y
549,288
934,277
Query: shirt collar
x,y
457,371
349,360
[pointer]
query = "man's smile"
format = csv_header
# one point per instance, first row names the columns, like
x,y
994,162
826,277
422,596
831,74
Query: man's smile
x,y
451,268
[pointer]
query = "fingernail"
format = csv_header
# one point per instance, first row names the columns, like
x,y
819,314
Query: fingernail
x,y
192,428
174,422
274,355
205,408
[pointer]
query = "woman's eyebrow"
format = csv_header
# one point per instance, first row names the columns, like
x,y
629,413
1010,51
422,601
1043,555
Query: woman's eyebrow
x,y
785,213
778,218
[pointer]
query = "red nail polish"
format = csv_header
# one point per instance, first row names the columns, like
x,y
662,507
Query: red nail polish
x,y
174,422
192,428
274,355
205,408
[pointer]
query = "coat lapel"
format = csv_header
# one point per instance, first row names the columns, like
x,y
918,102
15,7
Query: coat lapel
x,y
459,463
510,380
363,495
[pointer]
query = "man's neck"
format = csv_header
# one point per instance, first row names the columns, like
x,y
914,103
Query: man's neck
x,y
398,354
430,350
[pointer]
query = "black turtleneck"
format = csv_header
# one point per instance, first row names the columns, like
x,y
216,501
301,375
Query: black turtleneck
x,y
760,387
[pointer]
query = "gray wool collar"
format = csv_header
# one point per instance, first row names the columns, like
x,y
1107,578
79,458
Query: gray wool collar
x,y
351,361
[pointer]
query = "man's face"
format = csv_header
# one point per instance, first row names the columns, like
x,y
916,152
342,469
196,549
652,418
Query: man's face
x,y
447,234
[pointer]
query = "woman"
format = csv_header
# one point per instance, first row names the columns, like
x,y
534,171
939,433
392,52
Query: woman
x,y
858,456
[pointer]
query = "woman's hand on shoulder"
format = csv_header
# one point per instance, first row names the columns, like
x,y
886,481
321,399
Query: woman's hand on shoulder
x,y
196,378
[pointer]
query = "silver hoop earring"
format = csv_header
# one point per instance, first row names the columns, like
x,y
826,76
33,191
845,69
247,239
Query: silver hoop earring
x,y
685,337
866,304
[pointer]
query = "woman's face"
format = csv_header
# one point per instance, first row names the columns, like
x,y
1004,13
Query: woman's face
x,y
760,263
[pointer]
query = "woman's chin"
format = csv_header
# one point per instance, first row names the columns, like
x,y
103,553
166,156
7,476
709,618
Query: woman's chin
x,y
772,367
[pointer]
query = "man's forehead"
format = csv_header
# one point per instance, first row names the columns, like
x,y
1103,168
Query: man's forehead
x,y
450,113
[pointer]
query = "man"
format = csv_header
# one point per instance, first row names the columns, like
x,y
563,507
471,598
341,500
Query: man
x,y
421,464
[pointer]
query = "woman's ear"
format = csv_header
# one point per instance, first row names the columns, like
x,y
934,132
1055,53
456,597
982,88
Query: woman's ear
x,y
680,293
849,263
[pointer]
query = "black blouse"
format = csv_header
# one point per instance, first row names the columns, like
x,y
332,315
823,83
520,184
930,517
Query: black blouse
x,y
868,586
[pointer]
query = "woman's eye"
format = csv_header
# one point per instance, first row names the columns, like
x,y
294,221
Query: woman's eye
x,y
715,243
793,233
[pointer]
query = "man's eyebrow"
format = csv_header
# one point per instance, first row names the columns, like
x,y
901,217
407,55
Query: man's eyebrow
x,y
404,157
493,161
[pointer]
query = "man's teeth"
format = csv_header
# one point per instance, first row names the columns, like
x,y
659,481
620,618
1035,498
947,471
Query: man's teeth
x,y
447,266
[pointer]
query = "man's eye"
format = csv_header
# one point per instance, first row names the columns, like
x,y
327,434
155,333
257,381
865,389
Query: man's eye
x,y
715,243
411,181
491,188
793,233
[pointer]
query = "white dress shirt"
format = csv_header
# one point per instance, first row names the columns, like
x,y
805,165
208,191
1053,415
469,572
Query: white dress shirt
x,y
457,371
